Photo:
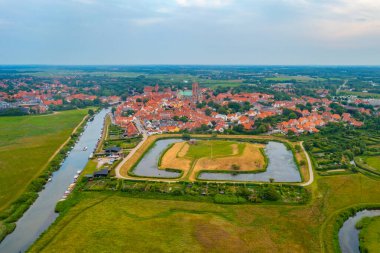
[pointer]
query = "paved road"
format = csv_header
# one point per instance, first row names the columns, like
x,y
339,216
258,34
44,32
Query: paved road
x,y
133,151
311,175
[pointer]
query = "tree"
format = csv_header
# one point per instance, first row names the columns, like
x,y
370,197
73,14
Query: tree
x,y
208,112
235,167
91,112
186,137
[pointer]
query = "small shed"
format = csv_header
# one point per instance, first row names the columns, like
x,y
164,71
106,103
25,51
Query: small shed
x,y
101,173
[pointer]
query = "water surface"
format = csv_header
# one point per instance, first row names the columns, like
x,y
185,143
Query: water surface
x,y
349,235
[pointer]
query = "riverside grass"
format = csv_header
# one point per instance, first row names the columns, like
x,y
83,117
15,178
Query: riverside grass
x,y
112,221
26,144
11,214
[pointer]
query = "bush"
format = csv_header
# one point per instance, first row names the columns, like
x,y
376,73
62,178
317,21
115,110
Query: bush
x,y
271,194
228,199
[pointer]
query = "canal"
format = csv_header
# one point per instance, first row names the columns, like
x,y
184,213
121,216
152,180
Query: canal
x,y
349,235
41,214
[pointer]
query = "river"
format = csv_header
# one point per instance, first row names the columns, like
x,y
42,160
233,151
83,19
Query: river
x,y
41,214
349,235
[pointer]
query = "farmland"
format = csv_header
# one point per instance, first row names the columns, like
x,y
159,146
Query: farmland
x,y
172,226
26,144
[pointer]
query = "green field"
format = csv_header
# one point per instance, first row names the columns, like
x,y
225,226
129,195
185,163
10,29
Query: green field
x,y
212,149
369,235
361,94
26,144
116,222
373,161
284,78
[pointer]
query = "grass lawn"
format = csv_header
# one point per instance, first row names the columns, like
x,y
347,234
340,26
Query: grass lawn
x,y
114,222
370,235
373,161
26,144
212,149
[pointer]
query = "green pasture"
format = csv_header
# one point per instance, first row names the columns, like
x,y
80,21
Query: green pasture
x,y
26,144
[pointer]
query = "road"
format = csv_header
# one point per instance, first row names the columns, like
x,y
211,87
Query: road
x,y
311,175
133,151
342,86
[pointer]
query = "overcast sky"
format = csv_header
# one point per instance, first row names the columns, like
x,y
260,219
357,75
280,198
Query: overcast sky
x,y
190,32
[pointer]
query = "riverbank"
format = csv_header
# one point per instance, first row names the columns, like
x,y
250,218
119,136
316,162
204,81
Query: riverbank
x,y
41,213
14,211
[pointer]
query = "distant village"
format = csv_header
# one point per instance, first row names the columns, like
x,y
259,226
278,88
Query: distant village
x,y
161,110
174,111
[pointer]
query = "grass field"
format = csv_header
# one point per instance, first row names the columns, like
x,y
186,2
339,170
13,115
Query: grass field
x,y
26,144
283,78
213,155
369,235
213,149
114,222
361,94
373,161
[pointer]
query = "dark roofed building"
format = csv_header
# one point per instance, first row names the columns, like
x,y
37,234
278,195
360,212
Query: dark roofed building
x,y
112,150
101,173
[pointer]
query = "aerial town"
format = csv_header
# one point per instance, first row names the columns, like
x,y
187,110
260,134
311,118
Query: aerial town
x,y
163,110
169,111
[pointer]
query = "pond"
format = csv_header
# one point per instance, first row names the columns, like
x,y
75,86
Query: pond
x,y
281,166
148,166
349,235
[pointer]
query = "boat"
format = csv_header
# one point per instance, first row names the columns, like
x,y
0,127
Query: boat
x,y
91,155
79,171
85,148
49,179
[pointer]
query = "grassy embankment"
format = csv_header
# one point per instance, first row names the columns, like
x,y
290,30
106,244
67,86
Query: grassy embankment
x,y
26,144
369,236
31,147
112,221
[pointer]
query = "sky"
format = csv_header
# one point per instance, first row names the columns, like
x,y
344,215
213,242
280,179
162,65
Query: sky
x,y
241,32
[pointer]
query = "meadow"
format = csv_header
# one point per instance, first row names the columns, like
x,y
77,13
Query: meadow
x,y
369,235
118,222
26,145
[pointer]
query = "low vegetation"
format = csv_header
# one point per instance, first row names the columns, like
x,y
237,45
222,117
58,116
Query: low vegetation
x,y
146,219
34,169
369,235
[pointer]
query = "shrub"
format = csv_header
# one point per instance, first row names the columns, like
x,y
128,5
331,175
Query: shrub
x,y
271,194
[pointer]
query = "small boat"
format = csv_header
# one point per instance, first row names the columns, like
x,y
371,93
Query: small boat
x,y
67,192
91,155
85,148
49,179
76,176
79,171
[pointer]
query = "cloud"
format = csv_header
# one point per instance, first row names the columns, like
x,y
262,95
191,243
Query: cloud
x,y
203,3
147,21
